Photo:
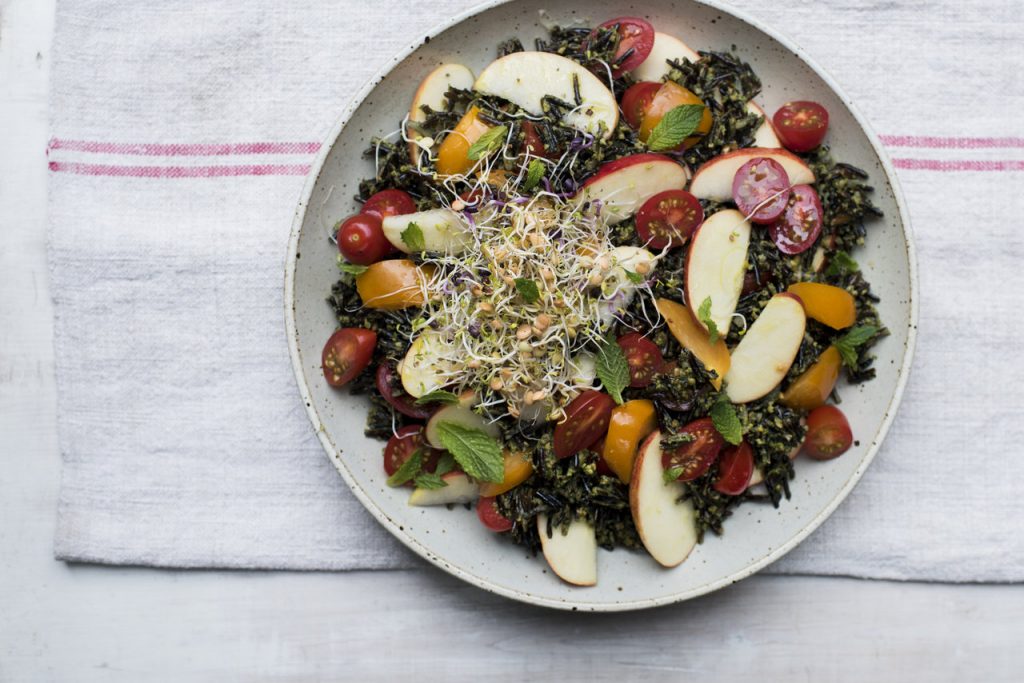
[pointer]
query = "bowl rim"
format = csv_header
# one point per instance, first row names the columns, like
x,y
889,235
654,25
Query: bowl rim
x,y
412,543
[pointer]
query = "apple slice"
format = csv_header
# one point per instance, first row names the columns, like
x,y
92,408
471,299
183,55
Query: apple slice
x,y
694,338
713,180
666,47
443,230
461,414
623,185
572,555
715,265
426,365
765,135
460,489
667,527
525,78
431,93
763,356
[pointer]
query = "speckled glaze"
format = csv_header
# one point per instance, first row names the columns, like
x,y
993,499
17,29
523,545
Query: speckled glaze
x,y
454,540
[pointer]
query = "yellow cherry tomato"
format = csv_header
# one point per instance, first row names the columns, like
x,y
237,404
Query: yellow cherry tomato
x,y
812,388
832,306
668,97
453,154
518,469
630,424
393,284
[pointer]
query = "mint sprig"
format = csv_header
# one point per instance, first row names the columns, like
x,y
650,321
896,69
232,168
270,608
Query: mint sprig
x,y
478,455
409,469
412,236
723,415
612,368
527,289
489,142
704,315
677,125
351,268
429,480
848,343
534,172
841,263
438,396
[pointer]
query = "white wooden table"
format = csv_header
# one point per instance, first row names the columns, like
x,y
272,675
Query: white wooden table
x,y
87,623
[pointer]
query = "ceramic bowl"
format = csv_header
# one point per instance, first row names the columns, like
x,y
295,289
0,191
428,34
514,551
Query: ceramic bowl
x,y
454,540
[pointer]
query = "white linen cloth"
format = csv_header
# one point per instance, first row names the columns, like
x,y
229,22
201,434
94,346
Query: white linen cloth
x,y
181,135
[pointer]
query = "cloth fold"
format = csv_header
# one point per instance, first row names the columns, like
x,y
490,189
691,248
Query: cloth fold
x,y
181,137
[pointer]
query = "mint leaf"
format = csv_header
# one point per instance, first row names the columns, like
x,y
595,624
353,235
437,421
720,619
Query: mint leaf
x,y
439,396
671,474
848,343
612,368
409,469
704,315
534,173
723,414
527,289
635,278
351,268
429,480
478,454
677,125
445,464
490,141
841,263
412,236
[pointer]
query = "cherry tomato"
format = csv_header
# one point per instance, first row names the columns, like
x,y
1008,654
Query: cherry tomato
x,y
800,225
801,125
735,468
698,455
361,240
602,464
586,421
669,218
828,433
346,354
636,38
532,141
487,511
389,203
644,358
636,100
760,189
387,385
403,444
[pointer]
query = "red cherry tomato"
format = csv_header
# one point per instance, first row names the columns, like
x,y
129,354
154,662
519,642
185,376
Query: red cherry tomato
x,y
828,433
636,38
669,218
800,225
346,354
801,125
735,468
487,511
387,386
602,464
389,203
586,421
361,240
636,100
532,142
643,356
403,444
760,189
698,455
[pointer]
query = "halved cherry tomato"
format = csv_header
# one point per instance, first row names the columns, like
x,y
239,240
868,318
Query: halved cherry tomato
x,y
829,305
532,142
602,466
801,125
669,218
387,385
697,456
637,99
403,444
393,284
735,468
812,388
389,203
669,96
760,189
586,421
453,154
636,38
346,354
828,433
487,511
644,358
518,469
361,240
630,424
800,225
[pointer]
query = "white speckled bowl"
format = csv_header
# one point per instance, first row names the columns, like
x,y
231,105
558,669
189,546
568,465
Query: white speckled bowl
x,y
454,539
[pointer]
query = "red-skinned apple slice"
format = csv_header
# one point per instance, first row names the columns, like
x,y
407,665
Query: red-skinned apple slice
x,y
713,180
460,489
763,356
666,47
715,265
625,184
765,135
431,93
667,527
572,555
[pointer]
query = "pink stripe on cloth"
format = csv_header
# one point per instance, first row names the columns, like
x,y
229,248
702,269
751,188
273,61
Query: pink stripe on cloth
x,y
934,142
958,165
183,149
178,171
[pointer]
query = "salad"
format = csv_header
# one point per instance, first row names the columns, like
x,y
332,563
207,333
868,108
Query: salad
x,y
596,293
